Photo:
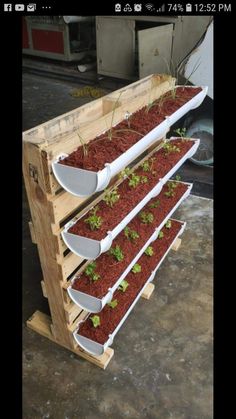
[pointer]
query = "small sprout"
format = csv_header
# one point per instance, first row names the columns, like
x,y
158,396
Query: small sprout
x,y
90,271
117,253
113,304
170,148
178,178
95,320
136,268
155,204
144,179
146,166
160,235
123,285
125,173
111,197
171,187
149,251
93,220
131,234
168,224
146,217
134,181
181,132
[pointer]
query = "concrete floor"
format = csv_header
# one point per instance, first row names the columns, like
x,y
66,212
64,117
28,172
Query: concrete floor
x,y
162,367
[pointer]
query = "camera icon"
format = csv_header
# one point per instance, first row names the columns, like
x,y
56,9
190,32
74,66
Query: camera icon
x,y
117,7
137,7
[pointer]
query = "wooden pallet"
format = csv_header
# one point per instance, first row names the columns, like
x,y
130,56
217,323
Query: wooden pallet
x,y
51,207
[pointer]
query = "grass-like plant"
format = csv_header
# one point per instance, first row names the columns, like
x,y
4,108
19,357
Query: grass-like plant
x,y
94,220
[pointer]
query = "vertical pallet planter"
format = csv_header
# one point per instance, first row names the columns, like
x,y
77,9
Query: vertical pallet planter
x,y
51,207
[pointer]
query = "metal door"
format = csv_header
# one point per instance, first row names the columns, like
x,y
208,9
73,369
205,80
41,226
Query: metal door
x,y
154,48
115,47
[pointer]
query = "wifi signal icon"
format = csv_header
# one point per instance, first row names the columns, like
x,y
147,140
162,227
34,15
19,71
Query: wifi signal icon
x,y
150,7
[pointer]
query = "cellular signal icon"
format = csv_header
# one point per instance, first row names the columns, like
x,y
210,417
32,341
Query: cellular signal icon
x,y
150,7
161,9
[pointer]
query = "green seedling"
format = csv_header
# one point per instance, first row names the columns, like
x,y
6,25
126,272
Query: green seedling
x,y
93,220
90,271
136,268
155,204
171,189
170,148
113,304
125,173
135,180
111,197
146,166
95,320
117,253
178,178
160,235
123,286
146,217
181,132
168,224
83,143
131,234
149,251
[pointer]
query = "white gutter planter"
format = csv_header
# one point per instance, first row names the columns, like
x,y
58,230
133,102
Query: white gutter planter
x,y
95,305
96,348
90,248
82,182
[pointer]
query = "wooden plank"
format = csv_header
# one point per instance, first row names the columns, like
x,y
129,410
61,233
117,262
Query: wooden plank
x,y
72,311
73,326
32,232
44,289
148,290
41,323
68,264
176,245
39,209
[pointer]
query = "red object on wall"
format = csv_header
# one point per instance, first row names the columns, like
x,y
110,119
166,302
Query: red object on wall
x,y
50,41
25,36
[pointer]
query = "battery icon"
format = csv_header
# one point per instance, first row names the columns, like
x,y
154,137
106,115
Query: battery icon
x,y
188,7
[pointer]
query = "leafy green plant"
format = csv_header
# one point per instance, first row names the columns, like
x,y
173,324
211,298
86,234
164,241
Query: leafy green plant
x,y
146,166
168,224
136,268
149,251
94,220
178,178
90,271
136,179
111,197
123,286
146,217
131,234
170,148
181,132
95,320
125,173
117,253
160,235
113,304
155,204
171,189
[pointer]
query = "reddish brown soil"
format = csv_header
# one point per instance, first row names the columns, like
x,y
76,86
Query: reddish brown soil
x,y
103,150
129,196
111,317
107,267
